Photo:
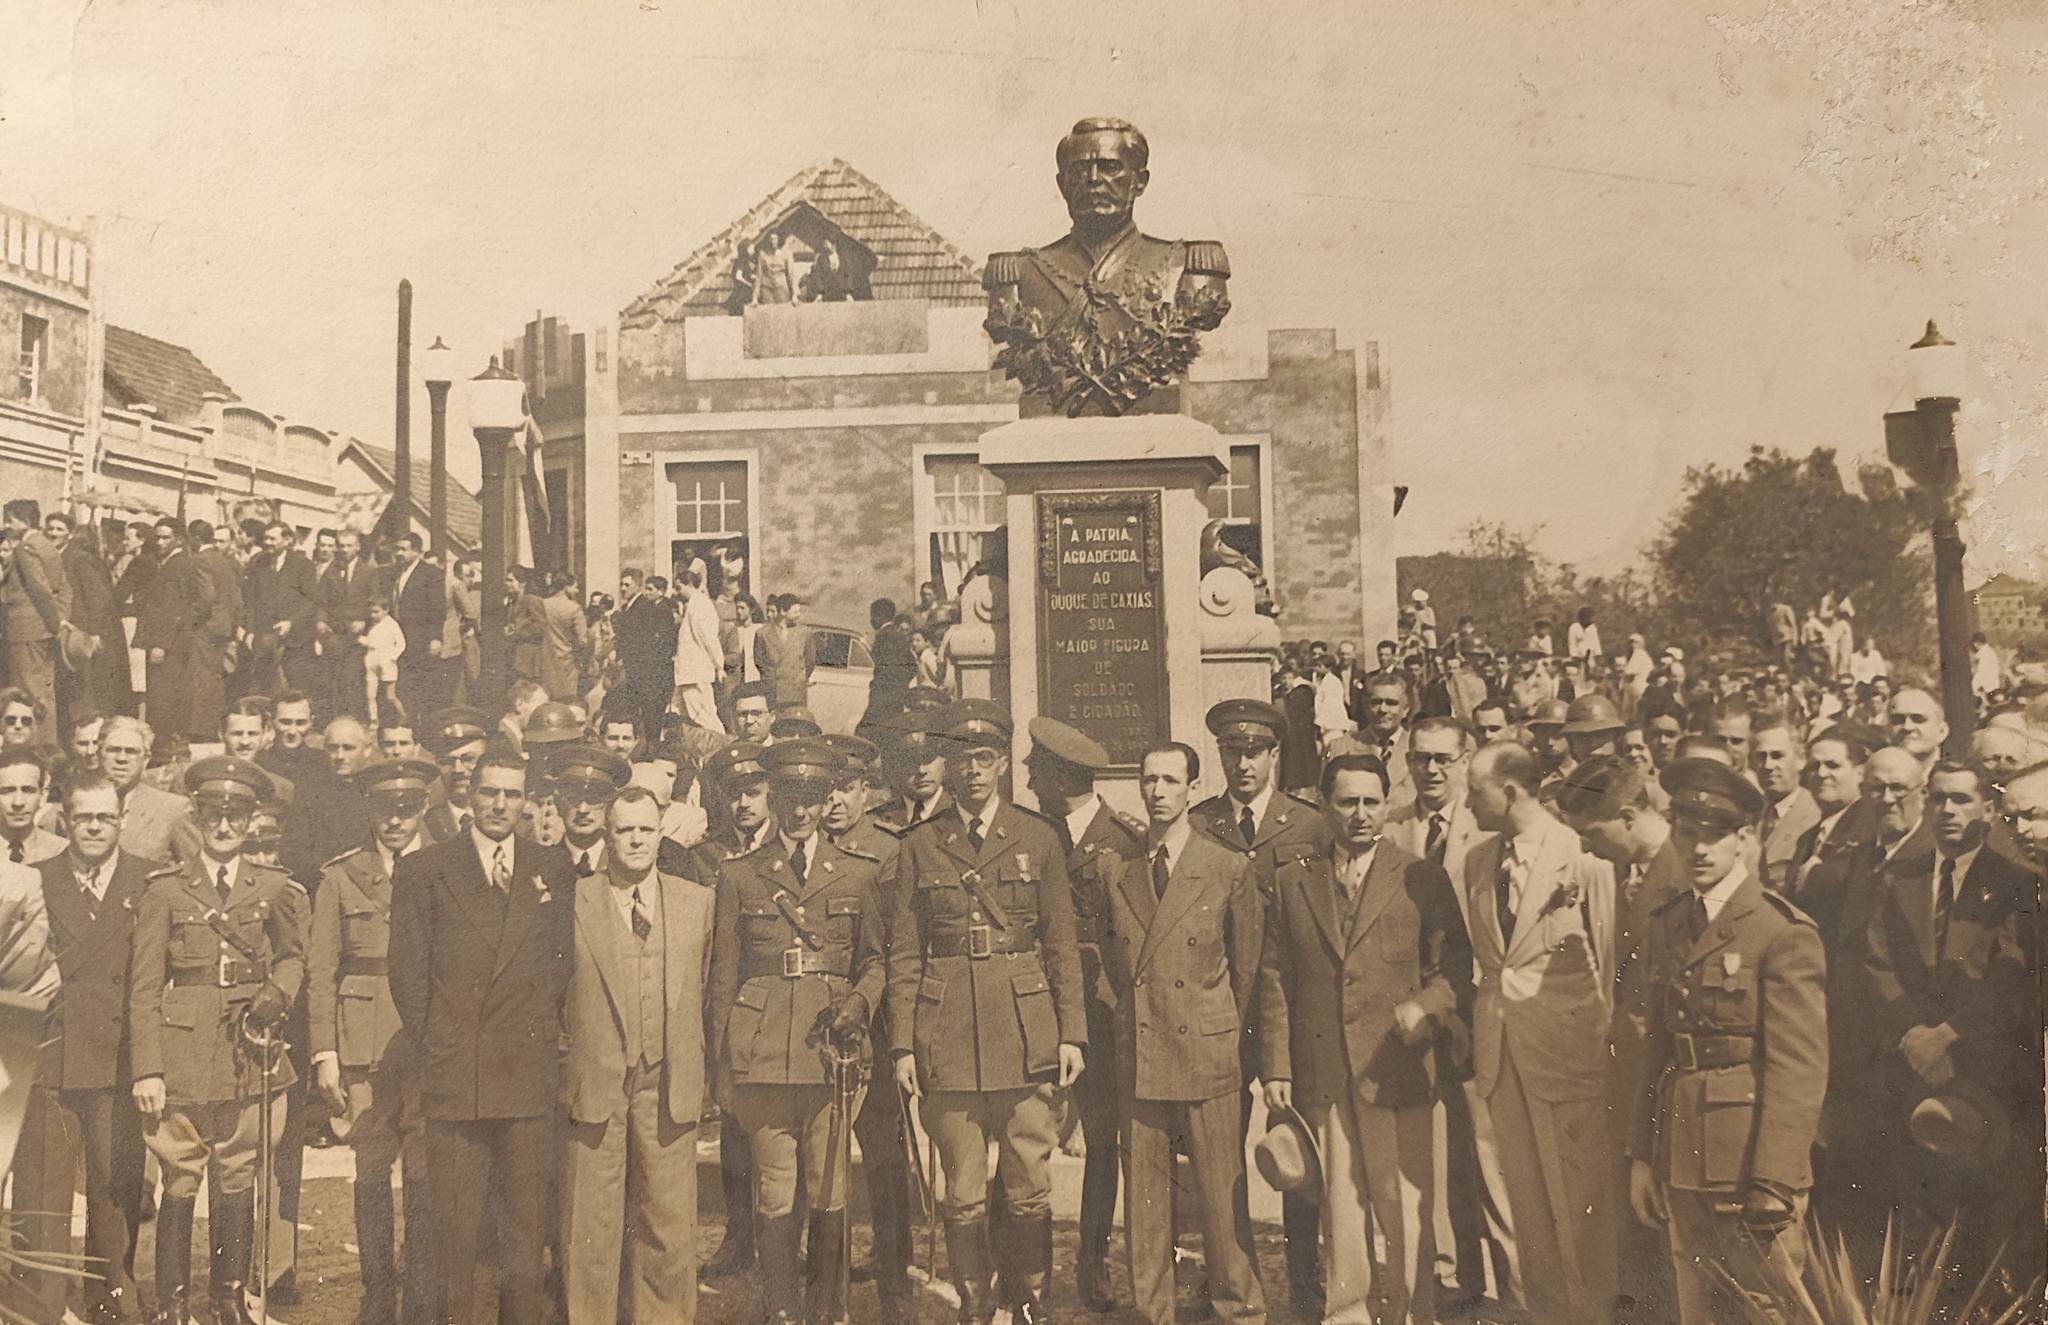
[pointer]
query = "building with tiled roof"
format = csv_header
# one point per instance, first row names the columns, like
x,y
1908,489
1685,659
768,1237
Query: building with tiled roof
x,y
142,370
364,480
829,430
2009,609
891,253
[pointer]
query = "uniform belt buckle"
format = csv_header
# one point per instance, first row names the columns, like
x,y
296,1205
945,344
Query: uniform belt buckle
x,y
224,973
1687,1053
980,941
792,963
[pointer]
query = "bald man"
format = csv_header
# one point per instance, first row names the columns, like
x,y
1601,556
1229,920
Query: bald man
x,y
1916,724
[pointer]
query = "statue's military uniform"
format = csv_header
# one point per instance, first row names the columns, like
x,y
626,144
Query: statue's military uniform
x,y
219,954
796,944
984,987
1733,1070
353,1018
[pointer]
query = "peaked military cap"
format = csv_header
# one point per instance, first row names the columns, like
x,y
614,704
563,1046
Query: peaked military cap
x,y
591,763
1050,736
794,724
1710,792
397,775
735,762
230,776
860,754
804,759
456,726
1242,723
973,722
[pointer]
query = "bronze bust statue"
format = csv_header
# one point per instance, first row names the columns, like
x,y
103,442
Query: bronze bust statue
x,y
1095,321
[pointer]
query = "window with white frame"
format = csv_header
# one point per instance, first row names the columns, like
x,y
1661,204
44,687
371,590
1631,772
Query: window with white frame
x,y
967,510
1238,499
710,512
35,345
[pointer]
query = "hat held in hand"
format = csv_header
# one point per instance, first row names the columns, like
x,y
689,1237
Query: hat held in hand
x,y
1287,1157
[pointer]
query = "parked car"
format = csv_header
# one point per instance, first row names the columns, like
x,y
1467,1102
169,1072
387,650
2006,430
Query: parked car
x,y
839,683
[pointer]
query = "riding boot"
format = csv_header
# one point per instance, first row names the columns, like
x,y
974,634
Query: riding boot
x,y
967,1248
1002,1239
825,1299
174,1259
234,1242
781,1277
1031,1236
378,1255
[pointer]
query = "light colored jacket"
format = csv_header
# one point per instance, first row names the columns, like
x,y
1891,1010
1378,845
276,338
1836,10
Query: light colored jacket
x,y
35,592
1545,996
700,658
1408,828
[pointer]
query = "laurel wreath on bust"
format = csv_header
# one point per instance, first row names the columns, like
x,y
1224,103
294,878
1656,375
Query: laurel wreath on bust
x,y
1076,366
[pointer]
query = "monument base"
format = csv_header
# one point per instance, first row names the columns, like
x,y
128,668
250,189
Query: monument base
x,y
1108,622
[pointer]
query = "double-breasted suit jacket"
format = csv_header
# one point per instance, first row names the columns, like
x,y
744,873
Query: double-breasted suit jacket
x,y
1109,835
984,1000
1329,982
597,1037
1183,966
479,977
1545,993
774,988
348,995
93,942
197,963
1730,1084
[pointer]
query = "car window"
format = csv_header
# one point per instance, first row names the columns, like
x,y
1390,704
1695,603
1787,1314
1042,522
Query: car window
x,y
833,648
858,654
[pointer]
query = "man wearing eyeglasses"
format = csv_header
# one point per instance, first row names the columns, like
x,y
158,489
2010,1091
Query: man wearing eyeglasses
x,y
455,738
364,1067
587,779
986,1014
219,957
155,824
90,892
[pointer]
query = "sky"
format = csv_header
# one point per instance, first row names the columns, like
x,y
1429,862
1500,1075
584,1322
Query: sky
x,y
1597,243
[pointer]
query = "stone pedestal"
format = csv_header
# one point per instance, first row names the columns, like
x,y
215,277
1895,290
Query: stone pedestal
x,y
1108,623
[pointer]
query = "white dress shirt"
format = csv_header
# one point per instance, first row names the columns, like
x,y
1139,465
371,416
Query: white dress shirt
x,y
487,852
1079,821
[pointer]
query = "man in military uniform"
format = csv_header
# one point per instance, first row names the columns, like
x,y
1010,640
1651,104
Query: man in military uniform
x,y
363,1064
1060,770
913,765
1101,282
986,1014
1735,1064
219,957
1254,816
880,1125
456,740
736,789
796,973
587,779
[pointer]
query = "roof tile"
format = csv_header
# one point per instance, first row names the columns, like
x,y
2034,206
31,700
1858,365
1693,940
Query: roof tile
x,y
142,370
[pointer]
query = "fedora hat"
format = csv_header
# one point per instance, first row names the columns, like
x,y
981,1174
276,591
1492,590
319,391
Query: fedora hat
x,y
1287,1156
1961,1122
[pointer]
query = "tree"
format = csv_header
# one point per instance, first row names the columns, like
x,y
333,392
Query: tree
x,y
1782,529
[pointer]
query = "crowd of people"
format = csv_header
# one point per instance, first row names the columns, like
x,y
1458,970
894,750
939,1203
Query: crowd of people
x,y
1566,981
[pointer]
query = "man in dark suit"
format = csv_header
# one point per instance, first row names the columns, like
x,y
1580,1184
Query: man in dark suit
x,y
419,603
224,575
1254,816
98,685
1366,959
281,611
1834,777
90,893
170,629
35,600
346,586
1180,934
480,960
644,631
1958,1010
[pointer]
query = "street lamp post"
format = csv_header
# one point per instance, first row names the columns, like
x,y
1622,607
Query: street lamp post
x,y
1922,442
437,365
497,409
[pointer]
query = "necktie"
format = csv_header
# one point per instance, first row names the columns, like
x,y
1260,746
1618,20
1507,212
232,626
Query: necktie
x,y
797,864
1066,837
1247,826
501,872
1699,917
1504,896
1161,872
17,853
584,869
642,926
220,884
1944,900
974,838
466,821
1434,848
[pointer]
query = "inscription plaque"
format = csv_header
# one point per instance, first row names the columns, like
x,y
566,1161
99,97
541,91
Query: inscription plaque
x,y
1102,656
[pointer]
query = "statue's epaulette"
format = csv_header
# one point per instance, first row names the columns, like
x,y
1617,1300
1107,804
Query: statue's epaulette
x,y
1789,909
1004,269
1206,258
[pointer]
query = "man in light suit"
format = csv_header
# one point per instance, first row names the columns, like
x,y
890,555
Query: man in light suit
x,y
1384,734
635,1078
1777,762
480,960
1472,1228
1542,942
1365,962
155,824
1183,920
